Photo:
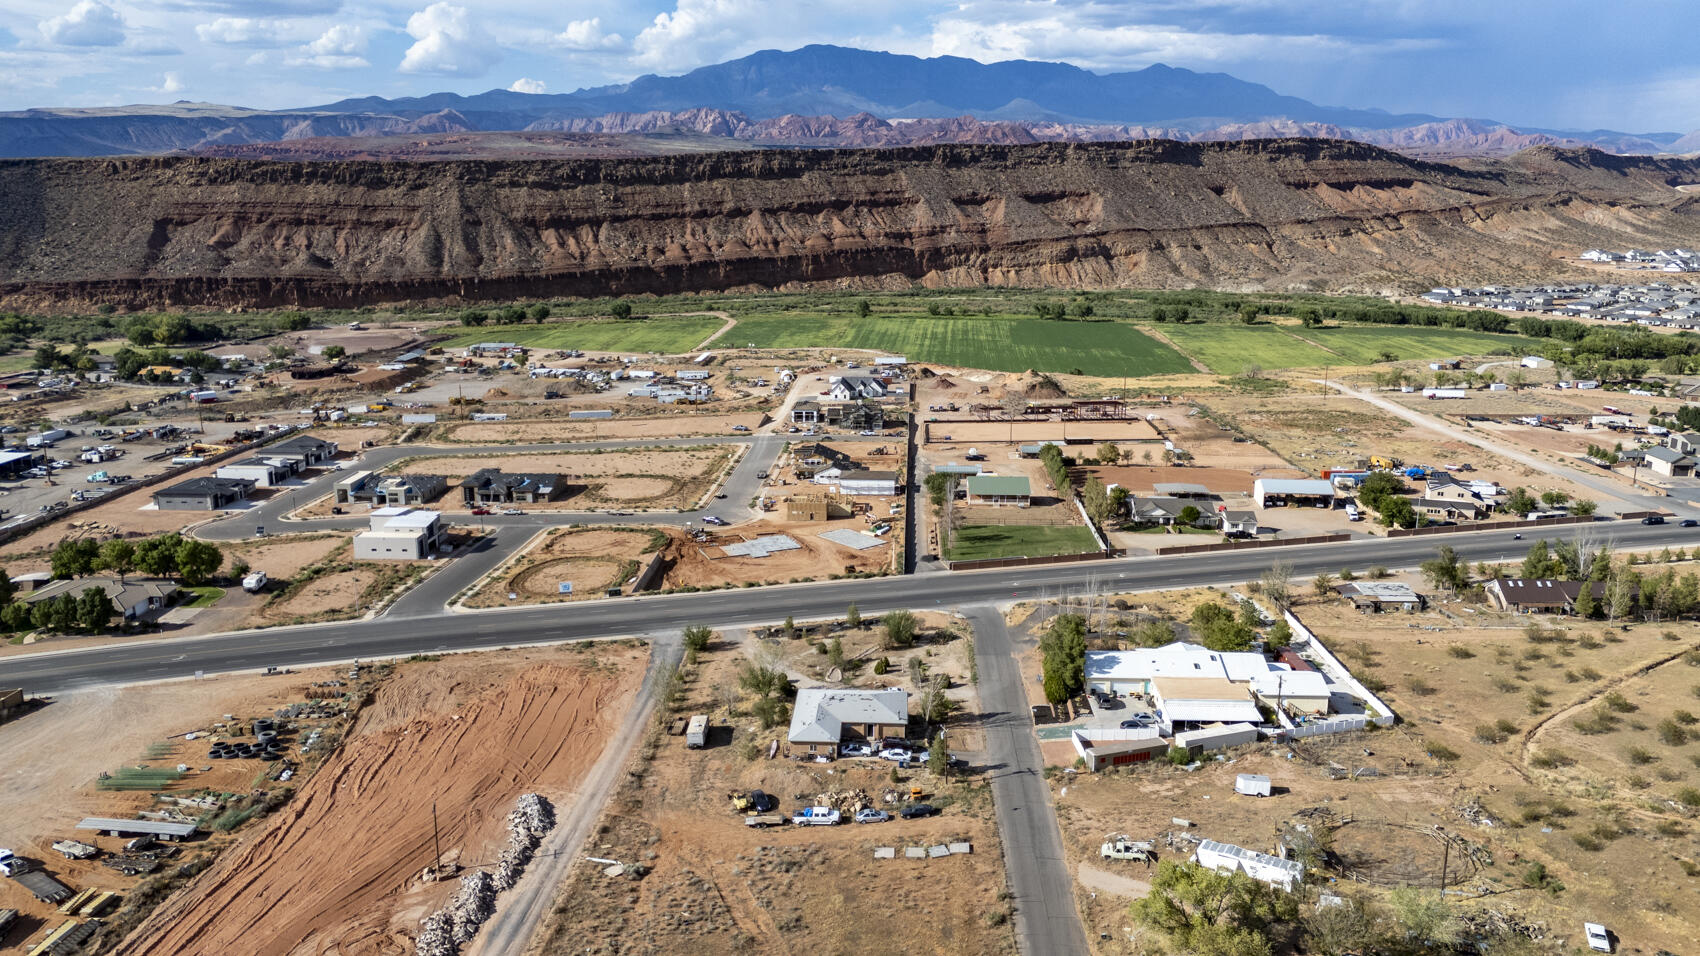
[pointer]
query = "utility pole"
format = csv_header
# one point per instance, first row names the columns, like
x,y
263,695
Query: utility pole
x,y
1445,858
436,840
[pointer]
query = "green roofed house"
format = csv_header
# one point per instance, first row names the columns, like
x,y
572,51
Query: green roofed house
x,y
1000,490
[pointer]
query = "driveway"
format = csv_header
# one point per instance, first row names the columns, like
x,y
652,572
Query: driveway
x,y
1046,921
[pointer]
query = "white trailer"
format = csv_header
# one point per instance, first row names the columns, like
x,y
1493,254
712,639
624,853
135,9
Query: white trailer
x,y
1252,784
696,732
255,582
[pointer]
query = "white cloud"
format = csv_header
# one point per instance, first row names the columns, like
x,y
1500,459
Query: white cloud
x,y
448,42
276,8
238,31
587,35
526,84
338,48
172,82
89,23
696,31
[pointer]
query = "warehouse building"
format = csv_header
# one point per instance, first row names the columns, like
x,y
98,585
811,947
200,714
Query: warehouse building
x,y
1276,492
400,534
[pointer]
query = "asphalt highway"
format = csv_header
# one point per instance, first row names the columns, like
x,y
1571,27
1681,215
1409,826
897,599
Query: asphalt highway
x,y
423,628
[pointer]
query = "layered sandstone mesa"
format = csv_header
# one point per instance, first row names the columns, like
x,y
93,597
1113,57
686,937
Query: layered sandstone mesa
x,y
1263,213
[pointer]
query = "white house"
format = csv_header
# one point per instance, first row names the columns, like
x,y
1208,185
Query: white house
x,y
851,387
400,534
1234,682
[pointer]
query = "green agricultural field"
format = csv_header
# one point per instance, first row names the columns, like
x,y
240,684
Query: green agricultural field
x,y
1005,344
667,336
1229,349
977,541
1361,345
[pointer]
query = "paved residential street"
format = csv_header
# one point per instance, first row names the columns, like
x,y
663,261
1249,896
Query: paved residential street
x,y
1046,921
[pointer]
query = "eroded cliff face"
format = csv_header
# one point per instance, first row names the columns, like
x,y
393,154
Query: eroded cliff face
x,y
1276,213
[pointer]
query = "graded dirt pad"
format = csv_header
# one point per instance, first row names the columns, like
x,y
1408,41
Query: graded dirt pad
x,y
283,556
715,886
593,560
672,426
1139,479
668,477
1023,432
694,564
331,592
335,871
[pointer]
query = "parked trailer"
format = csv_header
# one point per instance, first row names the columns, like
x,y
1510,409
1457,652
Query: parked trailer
x,y
75,850
7,917
1252,785
696,732
45,888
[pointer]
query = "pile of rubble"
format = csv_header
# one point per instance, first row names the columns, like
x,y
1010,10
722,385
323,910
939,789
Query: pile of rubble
x,y
844,801
444,932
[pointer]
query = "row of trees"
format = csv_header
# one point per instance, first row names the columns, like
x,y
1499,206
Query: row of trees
x,y
168,556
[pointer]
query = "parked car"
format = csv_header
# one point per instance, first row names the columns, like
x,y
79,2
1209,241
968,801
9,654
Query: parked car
x,y
855,750
513,511
1653,519
816,816
915,811
896,754
1139,721
870,815
1689,523
711,519
481,511
721,496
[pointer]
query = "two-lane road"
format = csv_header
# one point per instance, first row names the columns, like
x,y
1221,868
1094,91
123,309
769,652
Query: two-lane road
x,y
426,631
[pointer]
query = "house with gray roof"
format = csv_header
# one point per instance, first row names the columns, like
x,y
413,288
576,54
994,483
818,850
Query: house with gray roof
x,y
824,717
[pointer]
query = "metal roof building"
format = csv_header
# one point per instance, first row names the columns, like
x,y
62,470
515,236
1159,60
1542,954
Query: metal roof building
x,y
1265,488
153,828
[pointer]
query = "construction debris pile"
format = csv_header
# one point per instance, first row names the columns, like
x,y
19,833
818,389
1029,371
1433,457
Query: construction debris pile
x,y
444,932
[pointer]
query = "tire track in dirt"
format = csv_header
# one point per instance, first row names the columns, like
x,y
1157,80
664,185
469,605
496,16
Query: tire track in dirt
x,y
1200,366
1593,698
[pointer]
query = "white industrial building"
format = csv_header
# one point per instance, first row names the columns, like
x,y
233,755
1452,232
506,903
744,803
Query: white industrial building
x,y
400,534
1292,490
263,472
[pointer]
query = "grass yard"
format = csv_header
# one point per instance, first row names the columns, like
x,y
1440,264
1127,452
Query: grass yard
x,y
974,542
1362,345
1228,349
995,343
204,596
667,336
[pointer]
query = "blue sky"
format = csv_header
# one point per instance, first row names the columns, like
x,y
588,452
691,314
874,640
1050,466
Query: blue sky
x,y
1574,64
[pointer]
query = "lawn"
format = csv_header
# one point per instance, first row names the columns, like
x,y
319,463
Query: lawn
x,y
204,596
1228,349
1004,344
974,542
1362,345
667,336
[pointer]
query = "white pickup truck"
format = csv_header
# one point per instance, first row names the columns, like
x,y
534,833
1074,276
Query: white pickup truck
x,y
815,816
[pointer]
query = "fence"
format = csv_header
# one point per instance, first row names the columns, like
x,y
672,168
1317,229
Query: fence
x,y
1317,728
1338,672
1246,545
983,564
1505,525
650,577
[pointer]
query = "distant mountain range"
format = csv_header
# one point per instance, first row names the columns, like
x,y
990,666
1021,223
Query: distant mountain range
x,y
814,96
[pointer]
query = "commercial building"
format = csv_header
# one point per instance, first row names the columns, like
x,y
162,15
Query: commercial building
x,y
203,494
310,452
263,472
1102,749
492,486
400,534
1000,490
13,464
867,483
824,717
1274,492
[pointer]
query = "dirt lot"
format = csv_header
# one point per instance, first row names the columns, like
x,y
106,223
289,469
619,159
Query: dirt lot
x,y
54,754
711,885
1092,432
594,560
704,563
674,426
651,478
320,877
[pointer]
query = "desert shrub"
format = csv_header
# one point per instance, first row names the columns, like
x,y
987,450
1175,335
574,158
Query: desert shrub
x,y
1670,828
1688,797
1588,673
1490,734
1672,734
1461,652
1548,759
1618,703
1639,756
1440,751
1505,686
1420,687
1684,718
1587,842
